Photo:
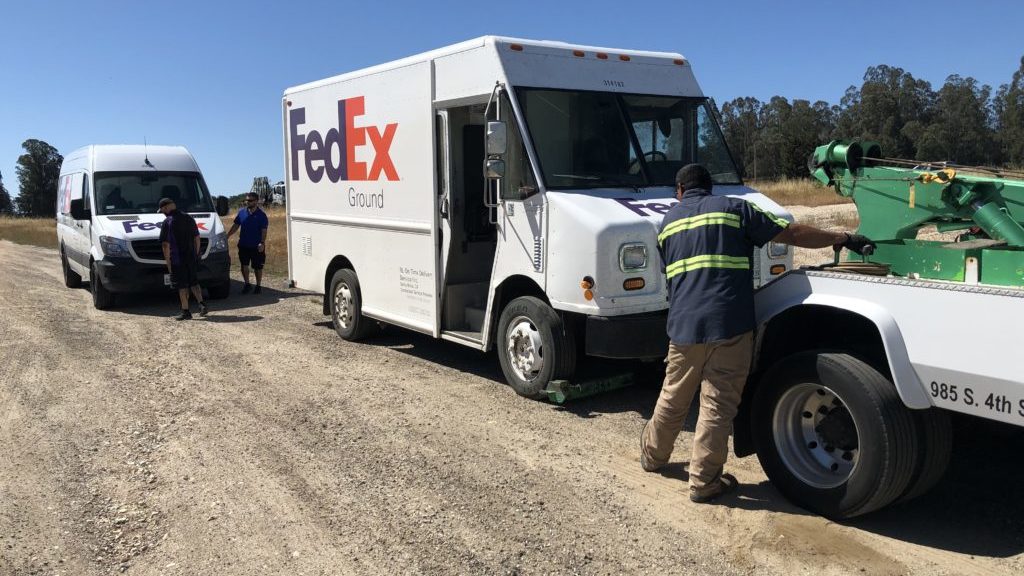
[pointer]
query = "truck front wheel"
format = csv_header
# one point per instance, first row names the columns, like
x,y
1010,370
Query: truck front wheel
x,y
534,346
346,306
832,434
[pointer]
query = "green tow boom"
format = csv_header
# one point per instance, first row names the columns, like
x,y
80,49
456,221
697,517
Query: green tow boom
x,y
897,198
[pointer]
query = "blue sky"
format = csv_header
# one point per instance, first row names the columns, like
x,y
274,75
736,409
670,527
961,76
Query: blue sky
x,y
209,75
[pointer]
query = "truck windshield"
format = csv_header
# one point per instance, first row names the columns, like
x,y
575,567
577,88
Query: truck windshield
x,y
140,192
603,139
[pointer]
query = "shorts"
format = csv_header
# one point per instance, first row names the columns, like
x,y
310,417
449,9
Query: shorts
x,y
253,254
185,275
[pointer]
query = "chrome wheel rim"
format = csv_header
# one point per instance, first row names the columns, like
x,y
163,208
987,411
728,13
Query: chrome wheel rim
x,y
344,308
525,348
815,435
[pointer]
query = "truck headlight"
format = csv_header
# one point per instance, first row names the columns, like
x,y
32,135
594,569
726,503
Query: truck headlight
x,y
114,246
632,257
220,242
777,250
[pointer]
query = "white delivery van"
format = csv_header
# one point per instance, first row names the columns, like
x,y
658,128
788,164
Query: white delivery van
x,y
502,193
108,227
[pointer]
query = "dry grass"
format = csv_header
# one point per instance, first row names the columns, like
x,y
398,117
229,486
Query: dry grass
x,y
277,241
34,231
798,192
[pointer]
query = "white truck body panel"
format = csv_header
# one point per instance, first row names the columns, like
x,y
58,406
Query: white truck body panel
x,y
958,363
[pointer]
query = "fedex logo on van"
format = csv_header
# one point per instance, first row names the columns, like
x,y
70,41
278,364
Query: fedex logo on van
x,y
318,150
133,225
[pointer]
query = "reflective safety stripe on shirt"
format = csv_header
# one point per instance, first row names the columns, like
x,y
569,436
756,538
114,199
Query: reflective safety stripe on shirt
x,y
706,261
709,219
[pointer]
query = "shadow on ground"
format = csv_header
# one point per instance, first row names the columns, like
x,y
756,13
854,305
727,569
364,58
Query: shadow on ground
x,y
166,303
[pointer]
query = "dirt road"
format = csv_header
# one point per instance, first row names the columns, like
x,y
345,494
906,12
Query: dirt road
x,y
257,442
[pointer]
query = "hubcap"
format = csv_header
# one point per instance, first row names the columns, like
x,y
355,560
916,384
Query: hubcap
x,y
343,305
525,348
816,436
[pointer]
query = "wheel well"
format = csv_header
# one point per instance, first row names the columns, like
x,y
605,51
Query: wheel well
x,y
809,327
511,288
338,263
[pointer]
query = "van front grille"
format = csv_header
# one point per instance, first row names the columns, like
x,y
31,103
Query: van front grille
x,y
151,249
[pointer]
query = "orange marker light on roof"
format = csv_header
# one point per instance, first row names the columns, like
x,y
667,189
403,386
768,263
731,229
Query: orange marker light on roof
x,y
679,62
623,57
579,53
516,47
602,56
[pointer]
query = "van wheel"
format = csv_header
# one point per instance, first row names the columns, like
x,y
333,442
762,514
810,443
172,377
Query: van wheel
x,y
71,278
534,346
219,291
346,306
101,297
832,434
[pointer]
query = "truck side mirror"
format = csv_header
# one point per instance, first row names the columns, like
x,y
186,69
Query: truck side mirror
x,y
79,211
222,206
497,140
494,168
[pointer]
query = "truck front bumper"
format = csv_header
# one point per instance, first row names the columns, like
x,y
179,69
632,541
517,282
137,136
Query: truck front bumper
x,y
129,275
640,336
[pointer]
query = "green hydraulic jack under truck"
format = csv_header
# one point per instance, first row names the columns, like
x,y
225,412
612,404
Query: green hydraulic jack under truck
x,y
858,362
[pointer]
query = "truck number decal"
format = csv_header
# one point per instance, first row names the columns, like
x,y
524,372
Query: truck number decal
x,y
952,394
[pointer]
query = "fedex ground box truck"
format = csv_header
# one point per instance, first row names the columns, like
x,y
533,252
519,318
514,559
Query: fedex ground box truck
x,y
502,193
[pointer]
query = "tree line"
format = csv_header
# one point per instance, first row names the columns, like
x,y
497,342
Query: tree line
x,y
963,122
38,172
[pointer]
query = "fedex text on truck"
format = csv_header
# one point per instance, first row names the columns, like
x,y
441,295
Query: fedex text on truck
x,y
318,149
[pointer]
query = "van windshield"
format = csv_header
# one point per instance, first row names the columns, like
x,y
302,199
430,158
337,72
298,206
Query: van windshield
x,y
603,139
140,192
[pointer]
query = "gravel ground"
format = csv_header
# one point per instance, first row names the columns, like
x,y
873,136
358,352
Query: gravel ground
x,y
255,442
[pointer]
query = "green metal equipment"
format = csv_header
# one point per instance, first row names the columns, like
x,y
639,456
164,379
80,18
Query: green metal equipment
x,y
897,198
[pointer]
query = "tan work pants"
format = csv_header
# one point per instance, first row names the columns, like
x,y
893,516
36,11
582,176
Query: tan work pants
x,y
720,370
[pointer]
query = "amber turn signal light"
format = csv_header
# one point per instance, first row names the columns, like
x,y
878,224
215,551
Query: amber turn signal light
x,y
633,284
777,269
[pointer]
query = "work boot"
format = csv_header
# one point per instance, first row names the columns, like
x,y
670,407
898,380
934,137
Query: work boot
x,y
247,288
203,309
646,464
184,315
727,483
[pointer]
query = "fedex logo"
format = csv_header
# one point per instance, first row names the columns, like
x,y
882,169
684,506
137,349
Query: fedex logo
x,y
642,208
318,150
133,225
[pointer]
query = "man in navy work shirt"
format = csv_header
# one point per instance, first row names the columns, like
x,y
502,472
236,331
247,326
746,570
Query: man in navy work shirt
x,y
251,240
179,238
707,246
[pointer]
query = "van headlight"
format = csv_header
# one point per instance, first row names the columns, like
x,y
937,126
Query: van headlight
x,y
633,257
114,246
220,242
777,250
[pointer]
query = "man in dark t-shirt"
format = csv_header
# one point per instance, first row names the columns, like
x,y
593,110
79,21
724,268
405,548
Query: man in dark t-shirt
x,y
179,238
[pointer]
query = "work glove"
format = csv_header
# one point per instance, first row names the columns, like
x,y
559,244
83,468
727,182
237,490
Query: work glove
x,y
858,243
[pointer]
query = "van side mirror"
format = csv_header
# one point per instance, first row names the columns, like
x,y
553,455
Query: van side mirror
x,y
79,211
497,140
494,168
222,206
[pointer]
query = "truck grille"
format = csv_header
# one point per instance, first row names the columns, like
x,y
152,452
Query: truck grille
x,y
151,249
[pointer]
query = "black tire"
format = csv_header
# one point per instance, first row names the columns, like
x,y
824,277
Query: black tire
x,y
833,435
72,279
102,298
349,322
556,349
219,291
935,446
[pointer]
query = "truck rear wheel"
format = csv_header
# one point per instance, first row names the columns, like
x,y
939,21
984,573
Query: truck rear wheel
x,y
101,297
71,278
832,434
534,346
346,306
935,435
